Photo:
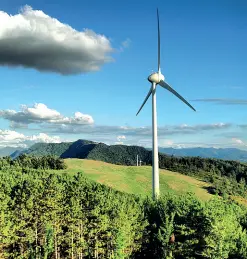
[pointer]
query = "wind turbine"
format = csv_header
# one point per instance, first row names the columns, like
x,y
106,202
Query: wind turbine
x,y
157,79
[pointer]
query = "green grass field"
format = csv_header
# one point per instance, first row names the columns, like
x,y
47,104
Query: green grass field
x,y
137,180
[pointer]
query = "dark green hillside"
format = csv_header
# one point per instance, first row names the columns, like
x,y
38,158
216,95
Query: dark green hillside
x,y
79,149
119,154
85,149
44,149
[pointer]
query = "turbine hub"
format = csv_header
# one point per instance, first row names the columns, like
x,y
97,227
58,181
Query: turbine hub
x,y
156,78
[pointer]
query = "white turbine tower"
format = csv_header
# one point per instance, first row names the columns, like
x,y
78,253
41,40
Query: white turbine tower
x,y
157,79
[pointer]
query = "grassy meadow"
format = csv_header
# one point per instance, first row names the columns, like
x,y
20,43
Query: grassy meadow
x,y
137,180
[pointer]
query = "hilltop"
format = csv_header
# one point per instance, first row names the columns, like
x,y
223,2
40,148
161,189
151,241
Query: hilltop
x,y
85,149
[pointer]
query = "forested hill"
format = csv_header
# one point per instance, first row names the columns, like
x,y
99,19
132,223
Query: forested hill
x,y
126,155
85,149
43,149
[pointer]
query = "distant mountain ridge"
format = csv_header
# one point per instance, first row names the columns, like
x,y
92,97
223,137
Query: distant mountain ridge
x,y
125,154
218,153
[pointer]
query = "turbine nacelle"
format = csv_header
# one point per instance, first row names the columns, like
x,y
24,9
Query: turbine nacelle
x,y
156,78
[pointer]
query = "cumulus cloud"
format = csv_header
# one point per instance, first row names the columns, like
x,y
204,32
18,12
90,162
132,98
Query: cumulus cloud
x,y
78,119
12,138
224,101
33,39
9,135
40,113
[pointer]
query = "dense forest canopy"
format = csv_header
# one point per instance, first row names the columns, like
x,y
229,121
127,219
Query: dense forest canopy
x,y
33,162
46,214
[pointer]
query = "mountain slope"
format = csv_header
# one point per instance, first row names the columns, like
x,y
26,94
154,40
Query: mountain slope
x,y
120,154
78,149
17,153
42,149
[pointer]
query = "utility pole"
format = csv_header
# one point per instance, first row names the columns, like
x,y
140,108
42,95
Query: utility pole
x,y
137,160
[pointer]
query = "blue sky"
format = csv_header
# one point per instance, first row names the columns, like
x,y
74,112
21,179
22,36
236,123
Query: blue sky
x,y
203,56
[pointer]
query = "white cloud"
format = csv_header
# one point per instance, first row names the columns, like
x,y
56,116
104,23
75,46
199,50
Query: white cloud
x,y
78,119
14,139
119,138
42,137
9,135
40,113
238,141
35,40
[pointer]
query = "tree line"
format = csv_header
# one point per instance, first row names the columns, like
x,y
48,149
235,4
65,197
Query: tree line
x,y
226,176
34,162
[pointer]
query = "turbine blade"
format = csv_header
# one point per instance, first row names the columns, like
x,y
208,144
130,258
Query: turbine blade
x,y
167,87
158,40
149,93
